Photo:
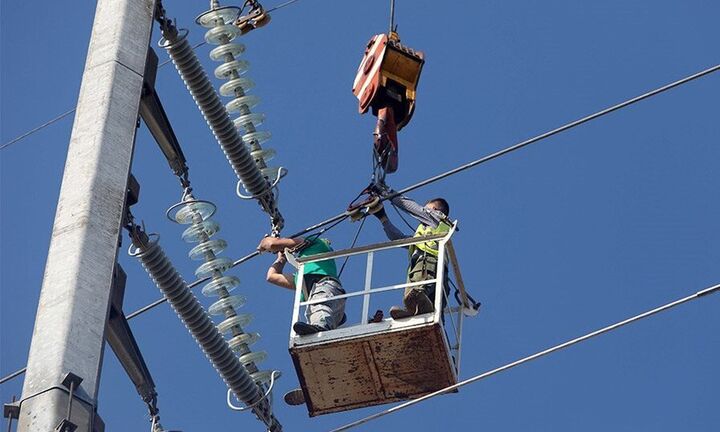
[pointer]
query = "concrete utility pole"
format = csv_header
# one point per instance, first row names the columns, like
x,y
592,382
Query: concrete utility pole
x,y
70,324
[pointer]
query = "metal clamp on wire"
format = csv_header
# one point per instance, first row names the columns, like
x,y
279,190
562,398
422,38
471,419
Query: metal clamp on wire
x,y
255,19
254,404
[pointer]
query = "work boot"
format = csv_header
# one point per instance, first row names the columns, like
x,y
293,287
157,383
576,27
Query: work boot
x,y
294,397
416,303
396,312
424,305
304,329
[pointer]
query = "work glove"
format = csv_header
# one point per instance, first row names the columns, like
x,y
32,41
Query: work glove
x,y
377,209
381,189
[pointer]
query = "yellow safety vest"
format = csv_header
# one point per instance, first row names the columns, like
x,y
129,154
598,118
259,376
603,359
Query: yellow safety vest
x,y
430,247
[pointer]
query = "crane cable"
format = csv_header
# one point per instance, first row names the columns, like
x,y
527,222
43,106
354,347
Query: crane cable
x,y
529,358
342,216
67,113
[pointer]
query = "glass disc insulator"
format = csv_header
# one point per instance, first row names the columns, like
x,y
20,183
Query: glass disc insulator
x,y
202,251
246,339
188,212
254,119
253,357
222,34
265,155
230,302
244,84
247,101
239,320
272,173
219,16
197,232
227,283
217,265
263,377
220,53
257,137
225,70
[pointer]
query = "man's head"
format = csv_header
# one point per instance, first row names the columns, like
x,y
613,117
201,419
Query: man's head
x,y
439,204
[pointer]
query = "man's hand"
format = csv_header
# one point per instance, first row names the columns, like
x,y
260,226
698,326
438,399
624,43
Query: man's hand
x,y
269,244
376,209
277,244
381,189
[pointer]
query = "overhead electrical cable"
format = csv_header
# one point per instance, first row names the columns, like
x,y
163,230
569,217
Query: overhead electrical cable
x,y
67,113
562,128
535,356
340,217
36,129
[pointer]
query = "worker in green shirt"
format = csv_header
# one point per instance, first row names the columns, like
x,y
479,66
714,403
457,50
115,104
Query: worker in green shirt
x,y
320,281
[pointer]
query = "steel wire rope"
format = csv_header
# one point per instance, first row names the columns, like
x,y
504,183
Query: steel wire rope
x,y
529,358
67,113
340,217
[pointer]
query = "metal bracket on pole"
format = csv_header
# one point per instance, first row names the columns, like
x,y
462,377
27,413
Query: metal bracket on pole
x,y
70,382
11,411
154,116
123,343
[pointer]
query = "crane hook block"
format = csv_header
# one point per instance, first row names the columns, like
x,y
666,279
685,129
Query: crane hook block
x,y
387,77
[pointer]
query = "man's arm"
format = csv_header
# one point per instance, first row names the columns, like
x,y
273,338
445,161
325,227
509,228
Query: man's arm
x,y
275,275
278,244
431,218
391,231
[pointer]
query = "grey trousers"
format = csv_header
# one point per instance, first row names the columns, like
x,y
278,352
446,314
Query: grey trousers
x,y
328,314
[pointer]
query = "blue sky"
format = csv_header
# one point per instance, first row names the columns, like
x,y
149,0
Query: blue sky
x,y
563,237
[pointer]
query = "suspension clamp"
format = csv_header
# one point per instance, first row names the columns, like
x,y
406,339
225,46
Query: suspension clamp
x,y
255,19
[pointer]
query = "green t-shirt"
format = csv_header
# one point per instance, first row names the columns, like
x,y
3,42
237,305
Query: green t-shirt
x,y
314,271
327,267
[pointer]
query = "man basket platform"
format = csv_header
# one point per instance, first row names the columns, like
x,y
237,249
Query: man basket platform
x,y
380,361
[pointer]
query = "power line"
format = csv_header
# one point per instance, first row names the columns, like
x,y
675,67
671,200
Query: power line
x,y
32,131
280,6
338,218
17,373
535,356
67,113
563,128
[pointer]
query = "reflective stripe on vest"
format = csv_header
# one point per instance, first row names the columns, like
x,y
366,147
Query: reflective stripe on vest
x,y
430,247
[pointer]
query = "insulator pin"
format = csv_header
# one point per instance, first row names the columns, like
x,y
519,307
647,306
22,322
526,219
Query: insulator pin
x,y
234,49
243,339
239,320
230,302
218,265
222,34
225,70
253,357
218,285
242,103
200,251
252,119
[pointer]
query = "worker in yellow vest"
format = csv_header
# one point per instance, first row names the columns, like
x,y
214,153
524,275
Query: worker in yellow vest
x,y
433,218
